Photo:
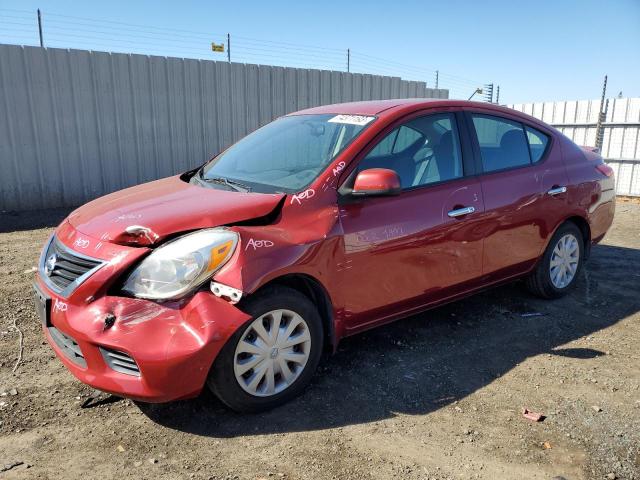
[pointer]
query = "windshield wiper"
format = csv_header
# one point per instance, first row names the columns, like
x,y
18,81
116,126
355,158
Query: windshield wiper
x,y
237,186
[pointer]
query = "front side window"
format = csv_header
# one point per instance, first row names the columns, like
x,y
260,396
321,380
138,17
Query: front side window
x,y
422,151
286,155
399,139
502,143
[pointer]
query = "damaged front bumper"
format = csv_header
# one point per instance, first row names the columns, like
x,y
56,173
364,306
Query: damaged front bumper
x,y
151,352
140,349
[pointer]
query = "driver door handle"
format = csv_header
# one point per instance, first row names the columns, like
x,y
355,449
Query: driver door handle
x,y
458,212
557,190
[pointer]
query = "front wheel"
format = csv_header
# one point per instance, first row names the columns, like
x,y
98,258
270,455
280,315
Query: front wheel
x,y
558,269
272,357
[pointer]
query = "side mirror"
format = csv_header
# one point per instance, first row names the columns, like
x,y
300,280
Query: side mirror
x,y
377,181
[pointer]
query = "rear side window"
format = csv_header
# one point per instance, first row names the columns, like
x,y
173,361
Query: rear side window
x,y
538,142
502,143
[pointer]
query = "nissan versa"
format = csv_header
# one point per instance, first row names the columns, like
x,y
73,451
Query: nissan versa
x,y
324,223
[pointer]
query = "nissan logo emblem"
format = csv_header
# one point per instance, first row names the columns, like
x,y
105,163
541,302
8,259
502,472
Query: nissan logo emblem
x,y
50,264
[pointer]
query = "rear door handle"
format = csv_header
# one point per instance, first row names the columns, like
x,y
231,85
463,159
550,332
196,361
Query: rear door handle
x,y
557,190
458,212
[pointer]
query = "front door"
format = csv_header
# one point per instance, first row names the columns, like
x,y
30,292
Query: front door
x,y
425,244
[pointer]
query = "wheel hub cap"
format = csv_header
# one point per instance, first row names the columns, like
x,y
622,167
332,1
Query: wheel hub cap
x,y
564,261
272,353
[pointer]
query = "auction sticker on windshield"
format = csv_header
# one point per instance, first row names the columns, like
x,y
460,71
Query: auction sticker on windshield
x,y
351,119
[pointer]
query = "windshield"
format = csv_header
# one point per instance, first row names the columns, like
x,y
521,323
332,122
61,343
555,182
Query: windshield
x,y
285,155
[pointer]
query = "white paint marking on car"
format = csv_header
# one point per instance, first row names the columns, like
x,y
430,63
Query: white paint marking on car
x,y
60,306
298,197
81,242
258,244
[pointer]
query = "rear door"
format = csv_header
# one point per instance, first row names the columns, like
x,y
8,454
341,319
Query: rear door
x,y
523,183
401,252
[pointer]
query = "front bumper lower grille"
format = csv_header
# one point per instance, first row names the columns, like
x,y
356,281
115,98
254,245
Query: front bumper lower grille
x,y
69,346
120,362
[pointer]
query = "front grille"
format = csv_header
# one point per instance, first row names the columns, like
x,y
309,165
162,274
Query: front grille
x,y
68,345
64,269
120,362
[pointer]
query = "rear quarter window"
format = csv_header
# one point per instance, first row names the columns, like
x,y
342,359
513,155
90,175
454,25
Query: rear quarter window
x,y
538,142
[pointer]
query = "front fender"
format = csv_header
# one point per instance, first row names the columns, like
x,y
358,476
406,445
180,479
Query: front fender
x,y
300,242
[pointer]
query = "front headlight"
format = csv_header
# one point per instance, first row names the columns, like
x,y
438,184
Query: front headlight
x,y
181,265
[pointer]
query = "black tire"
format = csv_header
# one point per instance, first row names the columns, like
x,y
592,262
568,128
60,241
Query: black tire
x,y
539,282
222,381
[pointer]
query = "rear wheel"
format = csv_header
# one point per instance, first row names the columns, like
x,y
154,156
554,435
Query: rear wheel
x,y
558,270
272,357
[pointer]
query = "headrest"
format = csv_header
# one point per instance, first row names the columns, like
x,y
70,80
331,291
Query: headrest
x,y
513,139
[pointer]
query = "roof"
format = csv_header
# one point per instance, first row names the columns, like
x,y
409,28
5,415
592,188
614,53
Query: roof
x,y
371,107
374,107
405,105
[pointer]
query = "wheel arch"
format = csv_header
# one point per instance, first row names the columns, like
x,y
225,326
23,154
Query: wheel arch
x,y
317,294
538,279
585,229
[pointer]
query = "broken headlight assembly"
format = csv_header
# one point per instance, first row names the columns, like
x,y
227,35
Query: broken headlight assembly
x,y
178,267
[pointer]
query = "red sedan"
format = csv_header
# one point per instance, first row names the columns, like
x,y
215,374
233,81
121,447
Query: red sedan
x,y
324,223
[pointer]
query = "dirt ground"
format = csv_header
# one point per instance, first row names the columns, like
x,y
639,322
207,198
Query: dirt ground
x,y
437,396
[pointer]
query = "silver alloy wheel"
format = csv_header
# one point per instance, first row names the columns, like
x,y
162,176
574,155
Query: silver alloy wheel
x,y
564,261
272,353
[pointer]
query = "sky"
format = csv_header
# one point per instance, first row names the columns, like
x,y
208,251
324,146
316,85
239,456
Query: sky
x,y
535,51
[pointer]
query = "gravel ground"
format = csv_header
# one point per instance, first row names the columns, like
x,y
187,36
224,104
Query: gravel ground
x,y
438,395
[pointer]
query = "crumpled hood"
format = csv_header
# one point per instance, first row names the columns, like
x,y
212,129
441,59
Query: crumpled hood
x,y
164,207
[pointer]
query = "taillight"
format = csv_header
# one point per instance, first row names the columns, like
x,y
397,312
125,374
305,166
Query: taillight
x,y
605,169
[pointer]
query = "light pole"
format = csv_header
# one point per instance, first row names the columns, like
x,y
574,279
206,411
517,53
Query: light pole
x,y
478,91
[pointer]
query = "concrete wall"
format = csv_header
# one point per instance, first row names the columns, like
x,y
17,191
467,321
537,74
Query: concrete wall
x,y
78,124
577,119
